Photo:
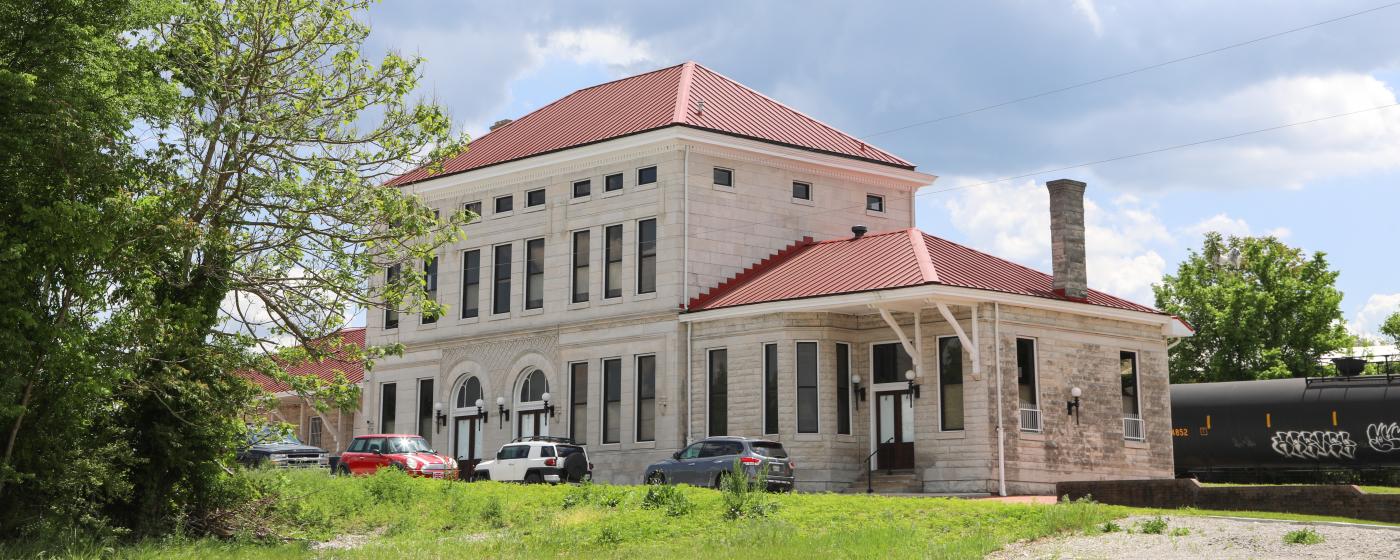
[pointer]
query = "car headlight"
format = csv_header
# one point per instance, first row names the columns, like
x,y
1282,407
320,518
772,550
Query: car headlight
x,y
451,463
413,464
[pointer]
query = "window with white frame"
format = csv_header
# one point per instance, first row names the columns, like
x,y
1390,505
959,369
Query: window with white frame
x,y
717,388
578,402
724,177
534,274
388,407
646,398
843,388
425,408
646,175
613,183
313,432
534,198
770,388
391,315
1027,385
430,286
1132,401
504,204
581,258
874,203
950,384
612,400
646,256
801,191
583,188
612,261
471,283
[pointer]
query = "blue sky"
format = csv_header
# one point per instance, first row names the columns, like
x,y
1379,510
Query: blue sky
x,y
866,67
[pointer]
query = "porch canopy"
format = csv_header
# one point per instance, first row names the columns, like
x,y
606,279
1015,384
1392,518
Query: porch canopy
x,y
908,271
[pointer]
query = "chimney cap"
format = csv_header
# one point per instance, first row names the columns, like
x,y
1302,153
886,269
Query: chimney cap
x,y
858,231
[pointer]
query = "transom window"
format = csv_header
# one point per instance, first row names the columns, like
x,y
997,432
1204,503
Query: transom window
x,y
468,393
534,387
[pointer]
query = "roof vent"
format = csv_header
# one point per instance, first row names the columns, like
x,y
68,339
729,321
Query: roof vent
x,y
858,231
700,107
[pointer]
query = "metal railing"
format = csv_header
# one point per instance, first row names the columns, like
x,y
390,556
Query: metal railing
x,y
1132,428
870,471
1030,419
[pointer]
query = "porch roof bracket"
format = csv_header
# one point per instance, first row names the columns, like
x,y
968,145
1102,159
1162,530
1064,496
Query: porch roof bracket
x,y
962,336
909,347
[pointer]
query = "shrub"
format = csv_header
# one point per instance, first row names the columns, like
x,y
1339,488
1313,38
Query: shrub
x,y
1110,527
590,494
1180,532
389,486
1154,526
1302,536
493,513
744,495
667,498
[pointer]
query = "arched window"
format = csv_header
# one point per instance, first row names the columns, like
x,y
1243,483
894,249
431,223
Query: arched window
x,y
469,392
534,387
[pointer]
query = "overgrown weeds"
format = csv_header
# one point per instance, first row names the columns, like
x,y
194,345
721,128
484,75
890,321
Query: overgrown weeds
x,y
745,495
1303,536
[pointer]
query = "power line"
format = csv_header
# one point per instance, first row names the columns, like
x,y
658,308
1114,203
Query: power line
x,y
1091,163
1129,72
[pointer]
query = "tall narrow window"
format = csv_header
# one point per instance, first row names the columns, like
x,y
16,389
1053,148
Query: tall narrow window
x,y
612,400
1132,412
612,271
500,290
718,391
1026,389
391,316
646,175
770,388
646,398
950,383
843,388
425,408
534,274
646,256
580,279
612,182
430,286
578,402
313,431
471,283
388,407
807,396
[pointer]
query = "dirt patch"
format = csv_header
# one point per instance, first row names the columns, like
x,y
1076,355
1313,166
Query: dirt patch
x,y
1210,538
348,542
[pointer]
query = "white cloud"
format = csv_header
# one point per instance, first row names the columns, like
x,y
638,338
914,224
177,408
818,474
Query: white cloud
x,y
1220,223
1288,157
1367,320
1087,9
610,47
1012,221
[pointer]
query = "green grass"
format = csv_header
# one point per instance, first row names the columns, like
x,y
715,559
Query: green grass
x,y
438,519
1302,536
1366,489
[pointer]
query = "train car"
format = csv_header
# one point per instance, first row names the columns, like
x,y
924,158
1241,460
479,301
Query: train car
x,y
1343,428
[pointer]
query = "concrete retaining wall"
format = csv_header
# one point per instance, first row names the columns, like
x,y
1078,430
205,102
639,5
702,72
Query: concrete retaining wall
x,y
1338,500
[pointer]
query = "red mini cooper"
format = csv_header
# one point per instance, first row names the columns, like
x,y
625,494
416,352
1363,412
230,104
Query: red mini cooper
x,y
409,452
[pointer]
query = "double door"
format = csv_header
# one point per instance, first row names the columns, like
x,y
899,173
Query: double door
x,y
894,430
467,445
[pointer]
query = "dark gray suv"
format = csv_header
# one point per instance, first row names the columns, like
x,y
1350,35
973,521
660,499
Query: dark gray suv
x,y
706,462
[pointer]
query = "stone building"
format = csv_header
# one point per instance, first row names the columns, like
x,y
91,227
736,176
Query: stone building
x,y
643,275
332,429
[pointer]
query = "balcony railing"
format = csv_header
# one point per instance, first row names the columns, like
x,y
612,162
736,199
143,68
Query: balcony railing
x,y
1030,420
1132,428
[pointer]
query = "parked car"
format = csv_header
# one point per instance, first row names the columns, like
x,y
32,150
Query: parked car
x,y
708,461
537,459
408,452
274,448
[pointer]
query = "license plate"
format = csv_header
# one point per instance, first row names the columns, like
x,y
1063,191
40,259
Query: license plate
x,y
776,468
437,474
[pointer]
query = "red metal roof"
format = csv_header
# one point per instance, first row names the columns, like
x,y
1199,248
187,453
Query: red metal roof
x,y
661,98
881,261
325,369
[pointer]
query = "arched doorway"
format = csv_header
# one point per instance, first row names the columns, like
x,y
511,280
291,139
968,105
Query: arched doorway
x,y
468,418
532,418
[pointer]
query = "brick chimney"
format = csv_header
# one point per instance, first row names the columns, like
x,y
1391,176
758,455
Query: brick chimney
x,y
1067,238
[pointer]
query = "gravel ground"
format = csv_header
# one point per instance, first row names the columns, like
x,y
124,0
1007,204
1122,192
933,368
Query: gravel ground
x,y
1215,538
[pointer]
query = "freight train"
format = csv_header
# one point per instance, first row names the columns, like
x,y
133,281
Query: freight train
x,y
1344,428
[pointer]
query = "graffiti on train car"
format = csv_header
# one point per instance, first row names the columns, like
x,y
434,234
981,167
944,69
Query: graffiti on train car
x,y
1384,437
1316,444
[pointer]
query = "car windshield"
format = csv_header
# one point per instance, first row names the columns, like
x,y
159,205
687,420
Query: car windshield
x,y
408,445
269,435
769,449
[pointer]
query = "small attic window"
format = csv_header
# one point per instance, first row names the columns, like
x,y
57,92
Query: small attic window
x,y
801,191
646,175
724,177
874,203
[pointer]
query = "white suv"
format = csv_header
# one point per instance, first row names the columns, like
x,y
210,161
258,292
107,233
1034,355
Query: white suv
x,y
537,459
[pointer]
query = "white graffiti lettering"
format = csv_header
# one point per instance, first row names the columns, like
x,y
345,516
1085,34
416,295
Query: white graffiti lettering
x,y
1314,445
1384,437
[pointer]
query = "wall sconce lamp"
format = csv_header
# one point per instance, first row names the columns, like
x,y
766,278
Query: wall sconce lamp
x,y
501,412
913,387
1072,407
481,410
441,418
547,407
859,390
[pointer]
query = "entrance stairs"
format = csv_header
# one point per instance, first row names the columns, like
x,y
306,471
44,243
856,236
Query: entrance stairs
x,y
899,481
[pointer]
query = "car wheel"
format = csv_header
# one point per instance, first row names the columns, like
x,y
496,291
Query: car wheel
x,y
481,477
533,478
342,470
719,480
656,477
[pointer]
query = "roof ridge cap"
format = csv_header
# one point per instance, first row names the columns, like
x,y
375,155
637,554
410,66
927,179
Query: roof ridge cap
x,y
682,109
922,256
749,273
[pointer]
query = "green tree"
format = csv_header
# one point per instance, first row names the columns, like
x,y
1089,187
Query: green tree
x,y
1391,328
71,85
274,157
1261,309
